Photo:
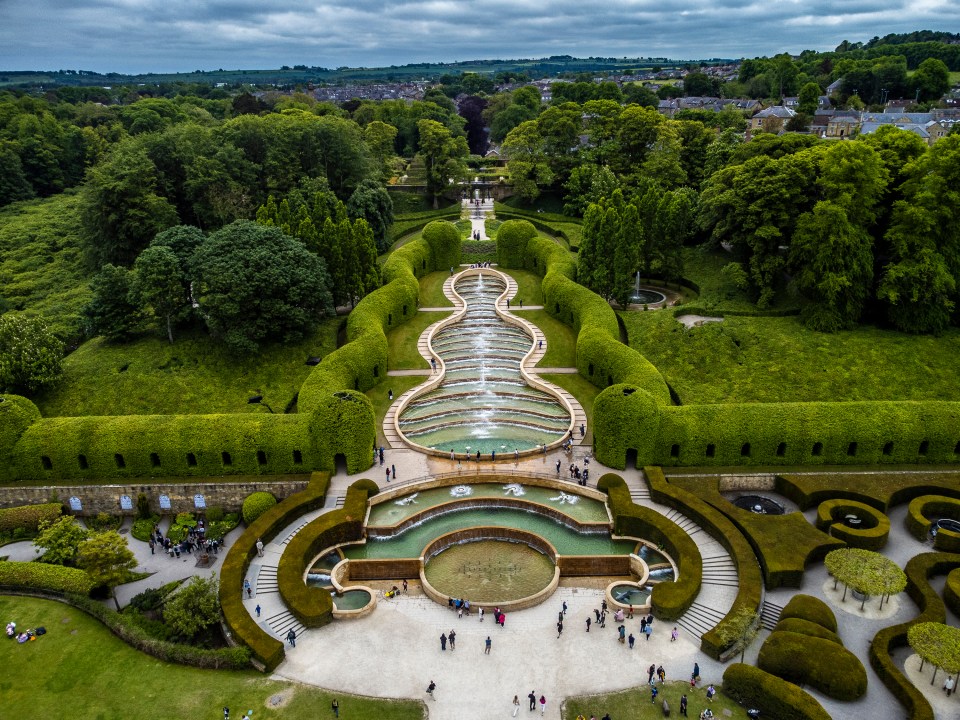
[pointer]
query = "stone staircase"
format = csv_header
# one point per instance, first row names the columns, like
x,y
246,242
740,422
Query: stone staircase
x,y
770,615
700,619
281,623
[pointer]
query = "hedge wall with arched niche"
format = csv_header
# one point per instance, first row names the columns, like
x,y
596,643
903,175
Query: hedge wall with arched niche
x,y
334,417
627,425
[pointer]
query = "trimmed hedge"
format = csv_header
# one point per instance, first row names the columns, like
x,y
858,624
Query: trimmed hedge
x,y
16,415
310,605
256,504
919,569
805,627
718,526
41,576
669,600
407,223
872,535
810,609
444,241
28,517
923,508
267,650
774,697
951,591
818,662
880,491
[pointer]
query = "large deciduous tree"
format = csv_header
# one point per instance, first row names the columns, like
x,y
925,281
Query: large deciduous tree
x,y
111,311
30,355
529,170
254,284
194,608
60,540
158,285
444,156
107,559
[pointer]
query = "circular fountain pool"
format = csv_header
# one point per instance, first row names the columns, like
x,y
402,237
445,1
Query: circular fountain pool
x,y
490,571
483,403
759,504
647,297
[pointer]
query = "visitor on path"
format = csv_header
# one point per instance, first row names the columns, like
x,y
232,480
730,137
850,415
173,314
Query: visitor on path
x,y
630,613
503,620
258,611
246,586
393,469
486,648
653,693
452,637
674,634
661,673
558,468
596,613
443,641
559,628
696,673
631,640
948,685
683,705
433,364
381,455
588,624
388,474
540,347
618,616
650,671
603,618
481,614
543,704
516,455
335,706
711,691
430,688
564,607
623,634
583,429
259,547
533,700
516,705
292,637
648,631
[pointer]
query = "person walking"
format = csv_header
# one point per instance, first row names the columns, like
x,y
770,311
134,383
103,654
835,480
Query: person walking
x,y
430,688
948,685
335,706
643,624
661,673
623,634
258,610
533,700
674,634
588,624
558,468
516,705
259,547
292,637
696,673
596,614
226,713
394,469
452,638
486,648
559,628
683,705
564,607
653,693
543,704
648,632
631,640
443,642
650,671
246,586
481,614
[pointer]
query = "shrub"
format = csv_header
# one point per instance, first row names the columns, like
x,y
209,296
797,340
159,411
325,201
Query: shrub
x,y
924,510
772,696
814,661
951,591
41,576
444,241
805,627
512,239
873,533
256,504
28,517
267,650
16,415
811,609
215,514
143,507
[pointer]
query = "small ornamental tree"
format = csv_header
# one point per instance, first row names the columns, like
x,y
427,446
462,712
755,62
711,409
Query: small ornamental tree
x,y
866,572
107,560
938,644
60,540
739,631
194,608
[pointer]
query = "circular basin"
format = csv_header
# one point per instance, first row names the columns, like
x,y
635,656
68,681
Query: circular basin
x,y
759,504
630,594
351,599
647,297
490,571
947,524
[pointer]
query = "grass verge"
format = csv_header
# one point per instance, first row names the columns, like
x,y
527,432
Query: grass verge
x,y
402,341
80,665
634,704
560,338
431,290
583,390
528,287
380,397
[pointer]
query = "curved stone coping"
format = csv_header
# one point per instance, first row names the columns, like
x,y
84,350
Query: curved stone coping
x,y
468,503
471,477
530,378
336,574
491,533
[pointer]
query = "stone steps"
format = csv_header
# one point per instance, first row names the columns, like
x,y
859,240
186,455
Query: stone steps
x,y
267,580
770,614
281,623
700,619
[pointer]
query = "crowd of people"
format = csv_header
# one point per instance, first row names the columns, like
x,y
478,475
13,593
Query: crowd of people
x,y
196,540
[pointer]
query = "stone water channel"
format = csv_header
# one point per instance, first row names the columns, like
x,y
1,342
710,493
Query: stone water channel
x,y
483,403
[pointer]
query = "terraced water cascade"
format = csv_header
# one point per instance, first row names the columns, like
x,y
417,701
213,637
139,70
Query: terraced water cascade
x,y
483,402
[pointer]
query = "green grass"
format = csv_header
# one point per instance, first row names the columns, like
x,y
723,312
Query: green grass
x,y
402,341
195,375
777,359
431,290
716,291
560,338
528,287
42,268
81,671
380,397
583,390
635,704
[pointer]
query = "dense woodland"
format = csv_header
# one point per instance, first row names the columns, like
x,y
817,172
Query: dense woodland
x,y
159,191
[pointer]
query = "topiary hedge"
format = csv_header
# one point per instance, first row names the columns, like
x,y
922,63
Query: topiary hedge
x,y
890,639
41,576
805,627
871,535
720,528
313,606
951,591
772,696
255,505
669,600
444,241
818,662
811,609
16,415
924,510
512,239
267,650
28,517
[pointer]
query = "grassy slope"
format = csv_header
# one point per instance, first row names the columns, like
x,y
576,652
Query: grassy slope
x,y
194,375
402,341
773,359
635,704
80,665
42,268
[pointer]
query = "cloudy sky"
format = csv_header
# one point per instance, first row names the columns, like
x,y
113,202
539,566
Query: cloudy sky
x,y
183,35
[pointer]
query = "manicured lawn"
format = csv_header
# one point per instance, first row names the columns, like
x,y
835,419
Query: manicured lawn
x,y
528,287
431,290
380,394
635,704
583,390
561,341
193,375
42,268
716,291
81,671
402,341
771,359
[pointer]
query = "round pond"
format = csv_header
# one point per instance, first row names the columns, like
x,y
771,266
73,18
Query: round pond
x,y
489,571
